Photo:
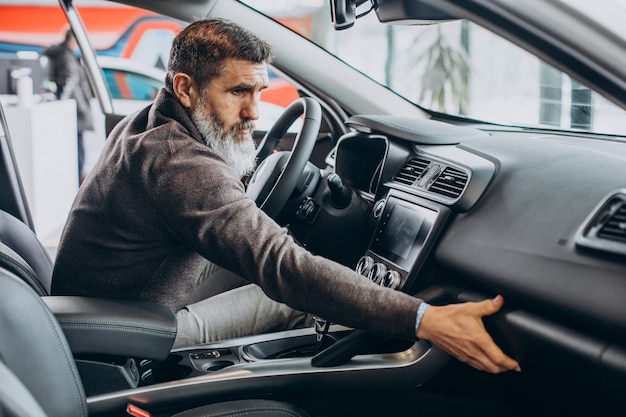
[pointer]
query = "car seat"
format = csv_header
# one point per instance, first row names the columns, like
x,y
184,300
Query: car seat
x,y
38,373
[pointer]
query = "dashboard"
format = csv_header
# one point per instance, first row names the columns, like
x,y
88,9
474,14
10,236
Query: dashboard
x,y
466,213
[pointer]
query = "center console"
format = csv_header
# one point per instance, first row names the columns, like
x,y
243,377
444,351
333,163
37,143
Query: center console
x,y
406,231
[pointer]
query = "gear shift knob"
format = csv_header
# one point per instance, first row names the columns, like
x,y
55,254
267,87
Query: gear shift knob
x,y
340,195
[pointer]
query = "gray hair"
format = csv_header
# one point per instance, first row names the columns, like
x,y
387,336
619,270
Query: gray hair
x,y
202,48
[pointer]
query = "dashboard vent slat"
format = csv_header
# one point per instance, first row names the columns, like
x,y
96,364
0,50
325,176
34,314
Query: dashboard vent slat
x,y
450,183
412,171
605,227
615,226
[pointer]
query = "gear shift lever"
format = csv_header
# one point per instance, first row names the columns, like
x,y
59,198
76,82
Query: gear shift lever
x,y
340,195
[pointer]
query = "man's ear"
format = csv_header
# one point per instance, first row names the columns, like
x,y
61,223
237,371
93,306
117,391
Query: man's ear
x,y
185,89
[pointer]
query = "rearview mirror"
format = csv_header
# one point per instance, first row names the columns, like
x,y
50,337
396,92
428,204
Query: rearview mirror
x,y
409,12
342,13
399,12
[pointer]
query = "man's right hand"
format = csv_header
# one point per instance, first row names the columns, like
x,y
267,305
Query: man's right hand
x,y
459,330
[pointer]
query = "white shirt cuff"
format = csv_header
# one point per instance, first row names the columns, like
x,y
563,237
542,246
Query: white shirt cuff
x,y
420,313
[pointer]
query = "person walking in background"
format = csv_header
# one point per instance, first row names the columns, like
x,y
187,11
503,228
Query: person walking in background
x,y
67,72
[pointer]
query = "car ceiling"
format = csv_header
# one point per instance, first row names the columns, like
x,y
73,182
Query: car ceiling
x,y
191,9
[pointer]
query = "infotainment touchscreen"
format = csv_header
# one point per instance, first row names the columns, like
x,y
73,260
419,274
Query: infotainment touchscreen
x,y
402,230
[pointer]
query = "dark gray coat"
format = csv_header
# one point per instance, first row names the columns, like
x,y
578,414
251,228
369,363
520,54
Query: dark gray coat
x,y
159,201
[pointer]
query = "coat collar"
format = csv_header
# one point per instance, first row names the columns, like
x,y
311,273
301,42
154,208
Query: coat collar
x,y
166,106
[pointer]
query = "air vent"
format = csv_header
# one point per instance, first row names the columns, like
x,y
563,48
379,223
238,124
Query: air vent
x,y
605,228
412,171
450,183
615,226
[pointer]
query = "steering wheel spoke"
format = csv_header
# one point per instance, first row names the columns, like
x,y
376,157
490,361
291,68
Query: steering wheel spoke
x,y
278,173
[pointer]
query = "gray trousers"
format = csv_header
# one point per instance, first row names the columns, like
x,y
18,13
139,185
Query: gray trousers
x,y
226,306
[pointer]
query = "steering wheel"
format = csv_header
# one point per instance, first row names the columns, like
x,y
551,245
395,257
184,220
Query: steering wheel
x,y
278,173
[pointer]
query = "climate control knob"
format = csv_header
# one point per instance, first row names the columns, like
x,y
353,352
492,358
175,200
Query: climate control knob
x,y
391,279
377,273
364,265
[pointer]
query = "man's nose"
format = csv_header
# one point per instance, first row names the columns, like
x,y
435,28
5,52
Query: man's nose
x,y
250,110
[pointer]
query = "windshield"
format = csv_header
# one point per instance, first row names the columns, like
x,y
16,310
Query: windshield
x,y
461,69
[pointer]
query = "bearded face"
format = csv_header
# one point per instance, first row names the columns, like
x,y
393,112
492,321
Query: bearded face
x,y
239,150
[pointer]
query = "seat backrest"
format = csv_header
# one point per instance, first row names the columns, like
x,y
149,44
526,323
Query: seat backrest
x,y
20,239
33,347
15,399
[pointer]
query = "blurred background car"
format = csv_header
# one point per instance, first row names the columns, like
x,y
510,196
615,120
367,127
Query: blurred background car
x,y
132,84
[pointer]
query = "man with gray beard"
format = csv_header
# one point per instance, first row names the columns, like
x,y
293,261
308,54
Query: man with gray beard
x,y
164,217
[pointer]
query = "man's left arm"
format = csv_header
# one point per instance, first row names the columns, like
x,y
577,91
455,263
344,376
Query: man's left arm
x,y
459,330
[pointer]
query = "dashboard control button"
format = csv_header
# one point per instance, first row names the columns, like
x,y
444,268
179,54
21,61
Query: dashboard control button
x,y
377,272
379,207
307,210
391,279
364,265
